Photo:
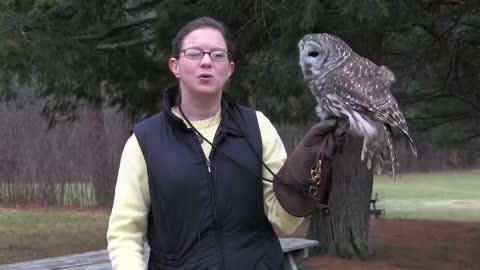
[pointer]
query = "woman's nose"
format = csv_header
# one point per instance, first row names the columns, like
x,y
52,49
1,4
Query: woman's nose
x,y
206,60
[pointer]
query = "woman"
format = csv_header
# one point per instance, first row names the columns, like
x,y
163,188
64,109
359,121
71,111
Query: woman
x,y
200,206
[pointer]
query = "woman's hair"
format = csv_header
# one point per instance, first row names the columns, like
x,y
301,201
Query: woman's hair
x,y
202,22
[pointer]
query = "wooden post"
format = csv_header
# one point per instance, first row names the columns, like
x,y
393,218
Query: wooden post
x,y
344,232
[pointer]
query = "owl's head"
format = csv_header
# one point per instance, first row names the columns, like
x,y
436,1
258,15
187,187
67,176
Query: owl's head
x,y
321,53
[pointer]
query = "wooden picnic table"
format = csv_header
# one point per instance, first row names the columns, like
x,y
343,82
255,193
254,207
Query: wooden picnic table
x,y
294,249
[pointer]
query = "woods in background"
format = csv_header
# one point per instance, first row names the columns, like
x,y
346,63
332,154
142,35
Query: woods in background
x,y
103,63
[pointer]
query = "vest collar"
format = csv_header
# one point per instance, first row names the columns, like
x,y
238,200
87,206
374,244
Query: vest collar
x,y
230,124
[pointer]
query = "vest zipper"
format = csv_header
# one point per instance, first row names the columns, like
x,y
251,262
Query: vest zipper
x,y
216,223
208,166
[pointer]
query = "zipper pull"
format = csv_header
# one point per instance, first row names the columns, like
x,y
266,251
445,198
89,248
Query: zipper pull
x,y
208,166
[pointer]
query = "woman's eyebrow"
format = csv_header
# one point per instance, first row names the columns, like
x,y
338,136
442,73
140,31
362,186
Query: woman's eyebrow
x,y
200,47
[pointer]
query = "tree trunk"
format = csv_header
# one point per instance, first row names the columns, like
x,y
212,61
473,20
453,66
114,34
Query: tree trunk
x,y
344,232
101,176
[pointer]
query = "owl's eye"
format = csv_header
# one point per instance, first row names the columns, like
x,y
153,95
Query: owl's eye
x,y
313,54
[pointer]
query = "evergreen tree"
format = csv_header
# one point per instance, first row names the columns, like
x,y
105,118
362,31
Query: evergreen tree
x,y
114,53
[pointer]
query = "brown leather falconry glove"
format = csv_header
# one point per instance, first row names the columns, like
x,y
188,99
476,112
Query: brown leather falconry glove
x,y
304,180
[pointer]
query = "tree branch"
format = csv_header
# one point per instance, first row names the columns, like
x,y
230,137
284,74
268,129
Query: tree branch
x,y
116,28
446,121
445,116
473,136
460,86
444,2
422,98
466,100
431,96
140,5
471,25
243,26
440,36
126,44
451,63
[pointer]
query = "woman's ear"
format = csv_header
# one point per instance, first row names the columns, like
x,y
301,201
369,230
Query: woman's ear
x,y
173,65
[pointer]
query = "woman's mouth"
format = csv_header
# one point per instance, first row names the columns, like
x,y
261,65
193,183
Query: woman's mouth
x,y
205,76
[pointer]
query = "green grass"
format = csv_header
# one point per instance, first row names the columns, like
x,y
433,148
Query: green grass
x,y
439,196
40,233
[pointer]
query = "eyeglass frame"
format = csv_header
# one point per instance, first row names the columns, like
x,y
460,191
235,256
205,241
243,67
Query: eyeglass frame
x,y
229,55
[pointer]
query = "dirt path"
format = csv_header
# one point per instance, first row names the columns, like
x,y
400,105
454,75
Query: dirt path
x,y
408,244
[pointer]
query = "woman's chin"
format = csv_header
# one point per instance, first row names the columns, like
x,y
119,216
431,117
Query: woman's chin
x,y
207,90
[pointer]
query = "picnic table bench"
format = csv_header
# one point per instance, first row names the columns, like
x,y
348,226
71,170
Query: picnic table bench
x,y
294,249
374,210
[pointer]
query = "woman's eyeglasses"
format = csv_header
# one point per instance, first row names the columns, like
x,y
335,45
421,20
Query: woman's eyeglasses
x,y
217,55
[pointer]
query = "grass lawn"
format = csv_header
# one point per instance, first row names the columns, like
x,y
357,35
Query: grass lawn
x,y
28,234
442,195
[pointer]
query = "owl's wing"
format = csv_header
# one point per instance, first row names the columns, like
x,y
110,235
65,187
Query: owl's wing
x,y
362,67
366,95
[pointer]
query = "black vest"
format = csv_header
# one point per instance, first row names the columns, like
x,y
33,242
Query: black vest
x,y
207,214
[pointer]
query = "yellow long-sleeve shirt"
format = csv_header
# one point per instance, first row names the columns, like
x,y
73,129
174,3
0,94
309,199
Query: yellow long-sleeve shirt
x,y
128,220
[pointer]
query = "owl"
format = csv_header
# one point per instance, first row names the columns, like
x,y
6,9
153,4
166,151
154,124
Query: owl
x,y
348,85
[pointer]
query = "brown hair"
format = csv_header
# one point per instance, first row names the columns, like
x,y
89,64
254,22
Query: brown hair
x,y
202,22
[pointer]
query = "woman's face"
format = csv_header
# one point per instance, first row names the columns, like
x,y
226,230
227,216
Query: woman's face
x,y
202,76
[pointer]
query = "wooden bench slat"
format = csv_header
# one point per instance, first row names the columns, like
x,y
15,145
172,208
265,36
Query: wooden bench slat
x,y
98,260
102,266
87,258
289,244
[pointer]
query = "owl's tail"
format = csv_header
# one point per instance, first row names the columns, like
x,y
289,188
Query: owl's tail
x,y
368,151
391,148
411,143
373,152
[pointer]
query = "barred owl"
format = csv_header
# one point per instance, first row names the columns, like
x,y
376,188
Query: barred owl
x,y
348,85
